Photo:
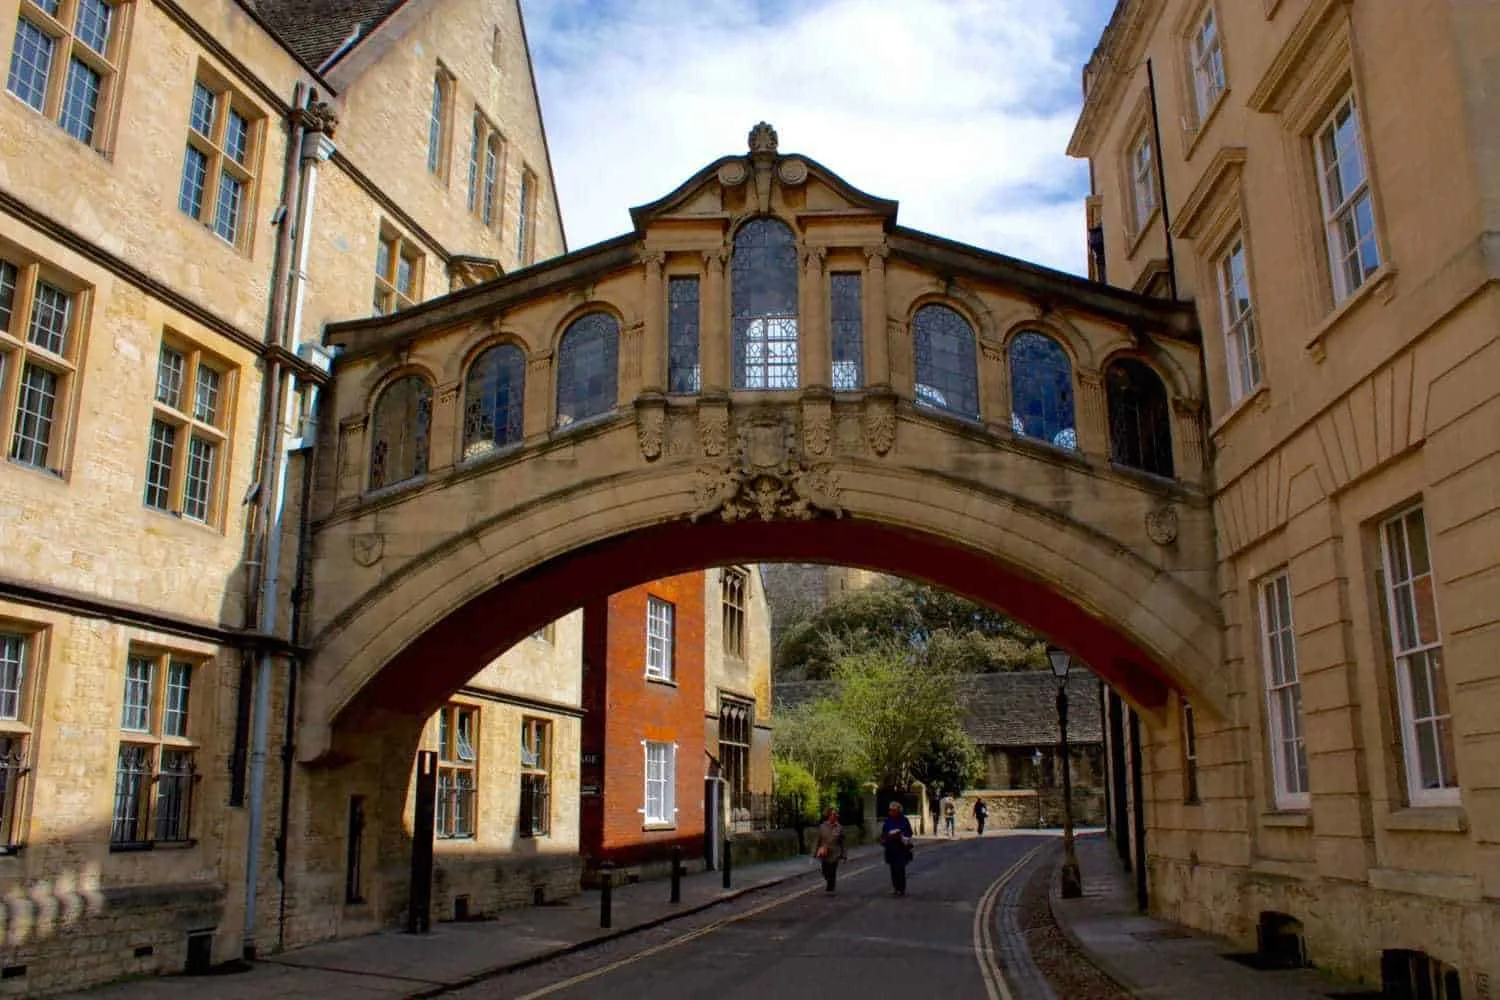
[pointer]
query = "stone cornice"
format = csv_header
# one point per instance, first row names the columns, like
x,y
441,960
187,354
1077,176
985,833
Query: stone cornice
x,y
1291,59
1225,167
1111,66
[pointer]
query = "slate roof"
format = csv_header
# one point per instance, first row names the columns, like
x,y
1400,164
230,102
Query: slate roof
x,y
314,29
1003,710
1020,709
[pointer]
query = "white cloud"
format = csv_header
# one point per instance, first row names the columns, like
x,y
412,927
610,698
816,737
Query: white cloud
x,y
958,109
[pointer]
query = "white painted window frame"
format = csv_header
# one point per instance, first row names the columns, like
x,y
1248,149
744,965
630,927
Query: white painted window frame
x,y
1209,81
665,809
1334,215
1286,729
1143,177
1237,311
1417,794
661,622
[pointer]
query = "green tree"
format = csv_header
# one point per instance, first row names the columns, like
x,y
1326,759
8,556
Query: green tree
x,y
815,735
797,791
951,762
943,631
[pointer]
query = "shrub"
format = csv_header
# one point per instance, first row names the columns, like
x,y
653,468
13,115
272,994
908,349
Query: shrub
x,y
796,792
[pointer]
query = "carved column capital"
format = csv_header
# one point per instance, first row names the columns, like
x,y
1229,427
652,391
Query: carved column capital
x,y
653,259
875,255
715,259
812,257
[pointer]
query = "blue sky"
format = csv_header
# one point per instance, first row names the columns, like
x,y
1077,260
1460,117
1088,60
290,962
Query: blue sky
x,y
958,109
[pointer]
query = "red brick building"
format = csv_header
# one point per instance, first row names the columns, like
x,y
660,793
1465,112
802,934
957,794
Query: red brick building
x,y
643,761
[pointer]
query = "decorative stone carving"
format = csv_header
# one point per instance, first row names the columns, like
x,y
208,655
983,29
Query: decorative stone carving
x,y
813,258
817,426
768,479
447,393
367,548
792,171
630,351
733,173
876,253
880,424
650,429
650,257
319,116
763,138
713,430
1161,524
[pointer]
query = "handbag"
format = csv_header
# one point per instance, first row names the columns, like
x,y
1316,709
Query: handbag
x,y
821,853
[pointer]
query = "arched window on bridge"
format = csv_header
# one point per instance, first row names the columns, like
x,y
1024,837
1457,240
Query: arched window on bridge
x,y
1140,430
947,371
1041,390
399,432
492,400
763,290
587,368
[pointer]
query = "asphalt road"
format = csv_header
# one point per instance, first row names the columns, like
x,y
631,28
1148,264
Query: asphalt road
x,y
797,940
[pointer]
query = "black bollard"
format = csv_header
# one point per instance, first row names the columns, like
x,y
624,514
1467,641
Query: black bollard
x,y
676,873
728,859
606,895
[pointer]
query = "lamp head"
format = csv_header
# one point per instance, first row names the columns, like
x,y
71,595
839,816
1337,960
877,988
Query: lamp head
x,y
1061,662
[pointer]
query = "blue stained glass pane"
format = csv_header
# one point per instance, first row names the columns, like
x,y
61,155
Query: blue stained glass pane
x,y
683,373
92,24
399,432
493,396
763,290
847,325
80,101
947,370
194,177
30,64
1041,390
237,137
587,368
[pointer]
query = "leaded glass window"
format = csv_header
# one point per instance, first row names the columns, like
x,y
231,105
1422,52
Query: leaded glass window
x,y
846,315
947,371
493,395
587,368
1041,390
399,432
683,371
1140,430
764,294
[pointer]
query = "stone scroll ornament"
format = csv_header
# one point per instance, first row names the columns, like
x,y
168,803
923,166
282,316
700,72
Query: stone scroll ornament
x,y
768,477
650,429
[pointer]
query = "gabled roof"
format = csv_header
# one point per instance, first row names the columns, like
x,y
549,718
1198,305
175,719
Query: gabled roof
x,y
315,29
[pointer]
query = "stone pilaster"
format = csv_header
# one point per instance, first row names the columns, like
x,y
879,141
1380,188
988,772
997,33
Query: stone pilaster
x,y
1091,415
994,386
445,433
540,390
653,346
814,362
1187,439
877,344
714,346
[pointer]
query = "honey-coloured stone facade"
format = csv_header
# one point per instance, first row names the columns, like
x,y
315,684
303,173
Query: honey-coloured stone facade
x,y
1374,397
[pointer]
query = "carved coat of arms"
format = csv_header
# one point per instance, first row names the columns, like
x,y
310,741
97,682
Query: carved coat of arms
x,y
768,476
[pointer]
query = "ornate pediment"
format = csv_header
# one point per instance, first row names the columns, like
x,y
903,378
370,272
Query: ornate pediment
x,y
736,185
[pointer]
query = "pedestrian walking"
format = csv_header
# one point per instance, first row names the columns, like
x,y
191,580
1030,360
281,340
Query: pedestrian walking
x,y
949,809
830,849
981,813
895,834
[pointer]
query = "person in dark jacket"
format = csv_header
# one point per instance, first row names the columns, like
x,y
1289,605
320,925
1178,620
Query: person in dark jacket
x,y
895,834
981,813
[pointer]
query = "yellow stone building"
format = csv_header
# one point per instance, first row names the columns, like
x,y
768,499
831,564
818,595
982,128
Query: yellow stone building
x,y
187,192
1322,178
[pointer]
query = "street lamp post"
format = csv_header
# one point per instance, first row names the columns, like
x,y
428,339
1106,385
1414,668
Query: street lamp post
x,y
1072,879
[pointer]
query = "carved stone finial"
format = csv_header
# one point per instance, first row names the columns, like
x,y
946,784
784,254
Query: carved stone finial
x,y
763,138
319,116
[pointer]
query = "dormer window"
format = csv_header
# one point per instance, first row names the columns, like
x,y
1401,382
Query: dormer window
x,y
764,292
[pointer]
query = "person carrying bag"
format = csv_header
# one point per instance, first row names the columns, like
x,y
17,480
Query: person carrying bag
x,y
830,847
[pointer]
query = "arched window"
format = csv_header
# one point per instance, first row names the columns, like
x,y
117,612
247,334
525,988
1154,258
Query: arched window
x,y
1140,430
587,368
399,432
764,294
1041,390
492,400
947,372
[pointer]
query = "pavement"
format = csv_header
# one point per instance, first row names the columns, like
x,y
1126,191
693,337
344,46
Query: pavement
x,y
395,965
1154,958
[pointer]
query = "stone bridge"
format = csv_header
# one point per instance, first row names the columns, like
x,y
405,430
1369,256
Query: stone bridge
x,y
767,367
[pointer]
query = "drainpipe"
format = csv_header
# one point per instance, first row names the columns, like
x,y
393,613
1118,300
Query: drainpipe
x,y
264,445
315,146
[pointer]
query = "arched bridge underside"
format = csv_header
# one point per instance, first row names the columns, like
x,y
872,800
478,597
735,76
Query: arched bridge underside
x,y
767,368
432,583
